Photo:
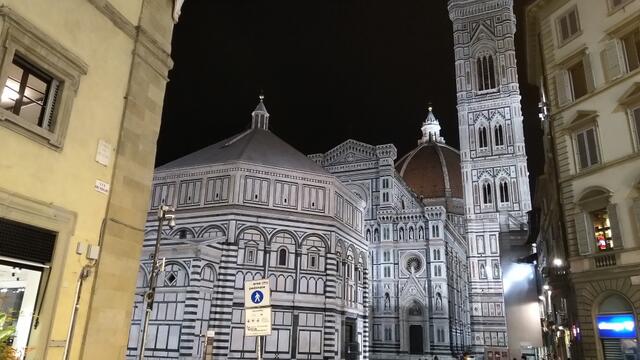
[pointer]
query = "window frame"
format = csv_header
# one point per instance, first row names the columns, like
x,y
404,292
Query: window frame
x,y
286,256
565,14
575,135
47,55
634,118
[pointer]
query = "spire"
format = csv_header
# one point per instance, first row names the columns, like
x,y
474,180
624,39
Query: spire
x,y
431,129
260,116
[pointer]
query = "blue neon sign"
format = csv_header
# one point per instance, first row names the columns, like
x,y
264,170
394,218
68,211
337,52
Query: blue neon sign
x,y
619,326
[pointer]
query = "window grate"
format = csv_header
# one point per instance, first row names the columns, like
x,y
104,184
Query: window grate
x,y
26,242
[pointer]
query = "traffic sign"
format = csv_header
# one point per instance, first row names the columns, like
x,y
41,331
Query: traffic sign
x,y
257,321
257,293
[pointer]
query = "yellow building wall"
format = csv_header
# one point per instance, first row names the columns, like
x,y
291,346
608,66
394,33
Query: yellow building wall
x,y
66,178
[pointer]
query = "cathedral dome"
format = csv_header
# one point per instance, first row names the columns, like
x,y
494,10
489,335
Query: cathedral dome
x,y
432,169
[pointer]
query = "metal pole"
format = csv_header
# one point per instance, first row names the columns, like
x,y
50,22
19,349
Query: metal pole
x,y
150,293
259,349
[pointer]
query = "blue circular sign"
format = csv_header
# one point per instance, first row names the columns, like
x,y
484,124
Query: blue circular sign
x,y
257,297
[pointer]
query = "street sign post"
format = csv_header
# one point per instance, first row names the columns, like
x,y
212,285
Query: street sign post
x,y
257,311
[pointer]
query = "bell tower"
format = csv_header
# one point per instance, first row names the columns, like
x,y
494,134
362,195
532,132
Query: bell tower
x,y
493,158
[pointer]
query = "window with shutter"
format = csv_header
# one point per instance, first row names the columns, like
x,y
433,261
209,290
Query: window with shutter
x,y
587,148
611,60
578,80
635,114
563,87
631,45
584,244
568,26
40,80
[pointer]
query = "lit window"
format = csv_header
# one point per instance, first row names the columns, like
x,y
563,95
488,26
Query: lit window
x,y
587,146
568,25
602,229
30,93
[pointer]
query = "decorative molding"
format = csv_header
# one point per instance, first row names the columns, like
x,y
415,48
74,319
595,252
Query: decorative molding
x,y
116,17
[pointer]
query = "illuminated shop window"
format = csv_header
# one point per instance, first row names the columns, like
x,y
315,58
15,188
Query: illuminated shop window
x,y
602,229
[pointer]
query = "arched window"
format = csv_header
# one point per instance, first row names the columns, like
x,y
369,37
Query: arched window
x,y
482,137
173,275
486,73
282,257
498,135
504,191
487,196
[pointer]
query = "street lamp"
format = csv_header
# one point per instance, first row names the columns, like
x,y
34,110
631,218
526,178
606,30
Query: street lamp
x,y
149,296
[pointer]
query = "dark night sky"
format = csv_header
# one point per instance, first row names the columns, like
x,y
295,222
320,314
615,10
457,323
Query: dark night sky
x,y
330,70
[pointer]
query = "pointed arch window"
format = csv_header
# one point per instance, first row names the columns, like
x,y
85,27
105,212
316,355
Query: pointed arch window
x,y
486,73
482,137
498,135
504,191
487,194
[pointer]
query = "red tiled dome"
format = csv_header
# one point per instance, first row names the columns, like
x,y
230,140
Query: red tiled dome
x,y
432,170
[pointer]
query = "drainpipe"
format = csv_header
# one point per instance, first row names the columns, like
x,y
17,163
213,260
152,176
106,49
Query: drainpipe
x,y
84,274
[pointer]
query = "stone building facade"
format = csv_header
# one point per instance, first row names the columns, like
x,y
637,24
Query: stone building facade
x,y
252,207
414,227
585,58
493,158
81,133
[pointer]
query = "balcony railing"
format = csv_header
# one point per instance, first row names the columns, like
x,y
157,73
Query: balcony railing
x,y
604,260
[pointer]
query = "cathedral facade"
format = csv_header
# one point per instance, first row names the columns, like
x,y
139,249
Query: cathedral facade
x,y
414,226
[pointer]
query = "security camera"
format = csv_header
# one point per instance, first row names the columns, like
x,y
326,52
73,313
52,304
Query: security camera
x,y
172,221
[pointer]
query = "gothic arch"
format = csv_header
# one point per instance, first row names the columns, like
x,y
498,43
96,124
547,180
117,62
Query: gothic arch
x,y
482,129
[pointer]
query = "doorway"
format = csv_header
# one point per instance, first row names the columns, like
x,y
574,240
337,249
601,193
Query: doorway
x,y
18,292
415,339
352,347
